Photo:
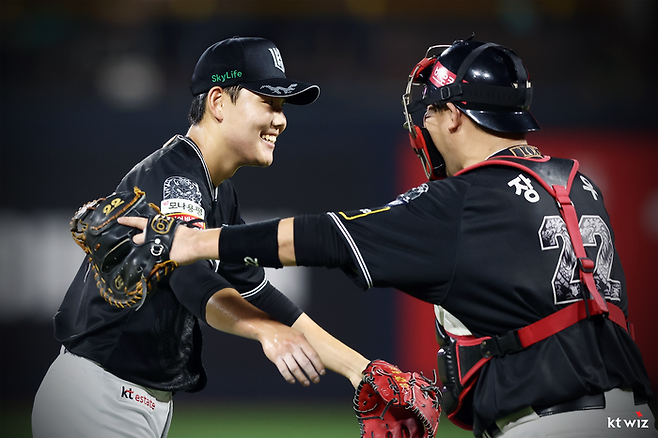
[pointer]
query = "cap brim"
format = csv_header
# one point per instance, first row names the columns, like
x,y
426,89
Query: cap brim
x,y
503,121
295,92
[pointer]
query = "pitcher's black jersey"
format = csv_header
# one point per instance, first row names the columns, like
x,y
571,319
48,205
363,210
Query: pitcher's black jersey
x,y
159,346
489,247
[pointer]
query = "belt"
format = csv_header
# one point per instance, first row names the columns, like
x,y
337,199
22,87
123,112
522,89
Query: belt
x,y
161,396
585,403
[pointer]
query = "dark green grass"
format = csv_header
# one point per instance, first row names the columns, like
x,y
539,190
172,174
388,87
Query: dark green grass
x,y
241,420
274,420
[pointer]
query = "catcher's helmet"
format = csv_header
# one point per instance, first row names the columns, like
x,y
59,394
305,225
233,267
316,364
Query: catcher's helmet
x,y
487,81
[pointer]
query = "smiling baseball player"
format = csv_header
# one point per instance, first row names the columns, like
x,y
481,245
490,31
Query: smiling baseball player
x,y
127,351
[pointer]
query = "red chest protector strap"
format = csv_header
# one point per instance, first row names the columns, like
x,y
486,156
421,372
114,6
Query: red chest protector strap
x,y
462,357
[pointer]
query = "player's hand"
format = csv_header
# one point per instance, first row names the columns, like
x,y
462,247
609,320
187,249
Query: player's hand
x,y
293,355
183,246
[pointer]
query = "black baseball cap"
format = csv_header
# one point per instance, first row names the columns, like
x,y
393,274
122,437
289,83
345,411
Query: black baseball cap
x,y
254,64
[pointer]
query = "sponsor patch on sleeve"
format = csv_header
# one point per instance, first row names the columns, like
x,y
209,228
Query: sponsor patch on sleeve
x,y
184,210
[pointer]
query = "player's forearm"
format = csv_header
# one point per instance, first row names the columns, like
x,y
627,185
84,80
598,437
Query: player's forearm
x,y
286,241
335,355
286,347
229,312
268,243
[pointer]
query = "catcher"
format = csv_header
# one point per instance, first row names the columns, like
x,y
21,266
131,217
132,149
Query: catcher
x,y
129,324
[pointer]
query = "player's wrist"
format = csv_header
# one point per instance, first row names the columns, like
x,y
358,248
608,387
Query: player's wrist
x,y
356,370
204,244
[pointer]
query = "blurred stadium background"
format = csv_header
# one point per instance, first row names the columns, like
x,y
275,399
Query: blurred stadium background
x,y
88,88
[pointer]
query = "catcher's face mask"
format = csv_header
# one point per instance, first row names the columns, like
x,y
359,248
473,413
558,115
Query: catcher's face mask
x,y
421,142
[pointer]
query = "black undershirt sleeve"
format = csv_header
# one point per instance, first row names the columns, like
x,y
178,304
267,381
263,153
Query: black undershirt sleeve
x,y
270,300
195,284
318,243
255,242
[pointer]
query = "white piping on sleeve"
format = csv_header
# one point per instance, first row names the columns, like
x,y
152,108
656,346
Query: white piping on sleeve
x,y
255,291
354,248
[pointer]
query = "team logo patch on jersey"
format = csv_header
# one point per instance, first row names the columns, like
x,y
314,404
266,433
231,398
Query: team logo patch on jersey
x,y
410,195
181,198
179,187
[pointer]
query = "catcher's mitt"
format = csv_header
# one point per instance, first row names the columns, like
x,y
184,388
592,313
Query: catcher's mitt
x,y
392,404
124,271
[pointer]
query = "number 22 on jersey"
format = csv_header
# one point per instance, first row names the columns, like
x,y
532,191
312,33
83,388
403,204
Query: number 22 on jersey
x,y
566,284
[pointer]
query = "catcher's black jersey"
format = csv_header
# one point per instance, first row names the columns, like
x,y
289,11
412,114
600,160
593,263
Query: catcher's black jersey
x,y
489,247
159,346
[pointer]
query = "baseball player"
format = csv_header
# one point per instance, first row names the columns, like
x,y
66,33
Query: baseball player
x,y
515,250
119,368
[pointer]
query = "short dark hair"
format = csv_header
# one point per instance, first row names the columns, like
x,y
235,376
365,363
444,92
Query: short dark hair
x,y
438,107
198,107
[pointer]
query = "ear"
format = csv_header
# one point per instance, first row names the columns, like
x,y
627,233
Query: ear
x,y
456,117
215,103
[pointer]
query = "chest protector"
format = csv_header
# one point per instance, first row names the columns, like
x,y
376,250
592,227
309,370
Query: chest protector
x,y
461,358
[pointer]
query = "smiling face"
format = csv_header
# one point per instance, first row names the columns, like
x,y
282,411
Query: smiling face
x,y
251,126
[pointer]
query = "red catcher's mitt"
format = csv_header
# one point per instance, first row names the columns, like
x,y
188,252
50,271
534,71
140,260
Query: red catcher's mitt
x,y
392,404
